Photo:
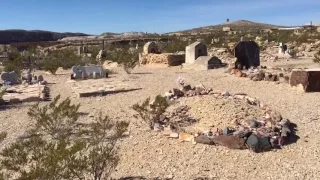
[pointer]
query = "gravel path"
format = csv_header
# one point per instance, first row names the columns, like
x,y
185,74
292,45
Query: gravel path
x,y
149,154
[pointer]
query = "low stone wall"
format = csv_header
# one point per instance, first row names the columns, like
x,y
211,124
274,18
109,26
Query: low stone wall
x,y
165,58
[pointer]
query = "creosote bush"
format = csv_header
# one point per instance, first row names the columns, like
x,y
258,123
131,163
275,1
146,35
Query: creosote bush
x,y
316,58
150,112
125,56
61,58
62,147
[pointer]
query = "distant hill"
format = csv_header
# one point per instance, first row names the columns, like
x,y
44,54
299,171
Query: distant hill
x,y
125,34
17,35
240,25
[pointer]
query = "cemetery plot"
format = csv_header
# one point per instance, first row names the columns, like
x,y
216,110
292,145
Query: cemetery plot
x,y
26,93
100,87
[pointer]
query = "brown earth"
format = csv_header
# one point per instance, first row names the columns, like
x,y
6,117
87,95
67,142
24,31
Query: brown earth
x,y
149,154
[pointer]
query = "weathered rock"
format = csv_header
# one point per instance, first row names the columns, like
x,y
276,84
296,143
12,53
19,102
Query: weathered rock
x,y
203,139
255,79
177,92
187,87
241,97
186,137
258,144
174,135
157,127
40,78
231,142
239,74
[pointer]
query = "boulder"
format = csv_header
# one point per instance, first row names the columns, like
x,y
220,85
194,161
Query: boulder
x,y
109,65
203,139
231,142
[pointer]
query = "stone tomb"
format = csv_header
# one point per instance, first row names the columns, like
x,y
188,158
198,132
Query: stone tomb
x,y
309,79
150,48
11,77
88,72
195,50
205,63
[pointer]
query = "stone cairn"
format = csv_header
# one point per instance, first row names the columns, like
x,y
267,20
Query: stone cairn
x,y
259,135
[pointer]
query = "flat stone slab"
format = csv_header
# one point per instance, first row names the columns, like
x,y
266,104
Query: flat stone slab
x,y
309,79
100,87
25,93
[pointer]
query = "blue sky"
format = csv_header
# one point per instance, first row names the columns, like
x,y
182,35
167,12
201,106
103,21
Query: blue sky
x,y
98,16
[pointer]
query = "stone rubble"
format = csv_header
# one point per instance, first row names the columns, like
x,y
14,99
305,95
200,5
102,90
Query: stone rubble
x,y
263,74
259,134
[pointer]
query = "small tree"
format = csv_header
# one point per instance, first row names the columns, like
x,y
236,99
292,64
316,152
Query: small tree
x,y
62,147
15,62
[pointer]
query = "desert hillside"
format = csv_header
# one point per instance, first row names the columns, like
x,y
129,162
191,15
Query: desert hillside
x,y
11,36
241,25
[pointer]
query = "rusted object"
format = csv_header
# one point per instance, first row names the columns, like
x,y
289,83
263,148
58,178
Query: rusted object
x,y
309,79
231,142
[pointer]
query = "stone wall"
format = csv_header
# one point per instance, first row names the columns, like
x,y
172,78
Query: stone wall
x,y
165,58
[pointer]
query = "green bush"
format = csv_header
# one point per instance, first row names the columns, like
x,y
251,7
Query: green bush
x,y
15,63
174,46
62,147
123,55
151,112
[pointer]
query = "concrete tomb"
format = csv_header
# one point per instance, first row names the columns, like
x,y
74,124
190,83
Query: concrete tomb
x,y
205,63
88,72
195,50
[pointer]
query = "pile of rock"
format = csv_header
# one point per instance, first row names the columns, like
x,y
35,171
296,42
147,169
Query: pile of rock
x,y
259,74
28,78
259,134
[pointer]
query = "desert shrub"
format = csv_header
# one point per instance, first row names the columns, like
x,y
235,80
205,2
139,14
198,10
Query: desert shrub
x,y
150,112
3,135
316,58
293,52
61,58
15,63
174,46
123,55
62,147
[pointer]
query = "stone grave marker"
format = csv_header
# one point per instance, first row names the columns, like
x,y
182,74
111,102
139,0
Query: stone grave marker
x,y
11,77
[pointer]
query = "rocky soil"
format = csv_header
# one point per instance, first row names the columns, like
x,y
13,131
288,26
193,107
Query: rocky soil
x,y
149,154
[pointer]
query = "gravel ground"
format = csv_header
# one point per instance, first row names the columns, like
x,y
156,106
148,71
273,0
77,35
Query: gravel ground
x,y
149,154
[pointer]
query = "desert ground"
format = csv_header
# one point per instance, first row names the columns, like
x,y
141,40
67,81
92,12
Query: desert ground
x,y
148,154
